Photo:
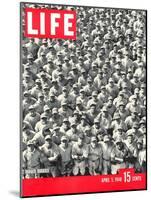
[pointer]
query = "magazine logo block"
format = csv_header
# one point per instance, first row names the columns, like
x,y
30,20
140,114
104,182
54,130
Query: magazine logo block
x,y
45,23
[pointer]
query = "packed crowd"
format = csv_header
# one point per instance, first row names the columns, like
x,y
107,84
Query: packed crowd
x,y
84,100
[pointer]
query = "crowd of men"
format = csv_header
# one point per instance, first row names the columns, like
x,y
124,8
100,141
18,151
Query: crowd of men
x,y
84,100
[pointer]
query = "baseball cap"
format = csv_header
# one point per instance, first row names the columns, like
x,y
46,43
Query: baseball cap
x,y
65,120
116,116
135,125
30,142
64,138
40,95
46,107
106,138
94,93
44,41
81,136
73,123
111,80
64,102
43,116
104,109
42,53
56,127
30,56
48,137
93,139
26,93
120,127
118,141
31,107
78,102
96,121
140,141
54,110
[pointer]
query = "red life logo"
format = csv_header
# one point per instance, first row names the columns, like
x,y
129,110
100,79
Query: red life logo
x,y
45,23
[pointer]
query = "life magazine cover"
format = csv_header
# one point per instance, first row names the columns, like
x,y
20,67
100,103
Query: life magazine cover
x,y
83,99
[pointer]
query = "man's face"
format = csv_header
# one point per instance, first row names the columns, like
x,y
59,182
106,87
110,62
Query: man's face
x,y
59,57
120,131
130,139
133,115
64,107
44,119
130,74
49,142
46,90
115,48
75,71
75,90
83,121
106,44
111,83
94,143
26,96
46,132
139,146
89,83
59,67
45,44
60,78
67,61
118,71
32,112
47,112
27,79
119,145
104,112
64,143
121,107
139,39
135,128
65,93
80,141
80,106
75,116
80,61
100,75
30,147
43,57
92,109
59,42
38,85
94,97
103,90
30,60
66,47
27,131
73,128
41,98
123,76
139,59
134,101
97,125
32,40
66,125
82,94
113,59
110,102
52,98
55,115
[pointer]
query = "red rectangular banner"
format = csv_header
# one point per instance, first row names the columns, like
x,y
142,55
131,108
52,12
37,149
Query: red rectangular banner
x,y
125,180
49,23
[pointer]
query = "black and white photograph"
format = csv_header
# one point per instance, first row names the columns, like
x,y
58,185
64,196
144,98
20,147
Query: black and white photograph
x,y
83,101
